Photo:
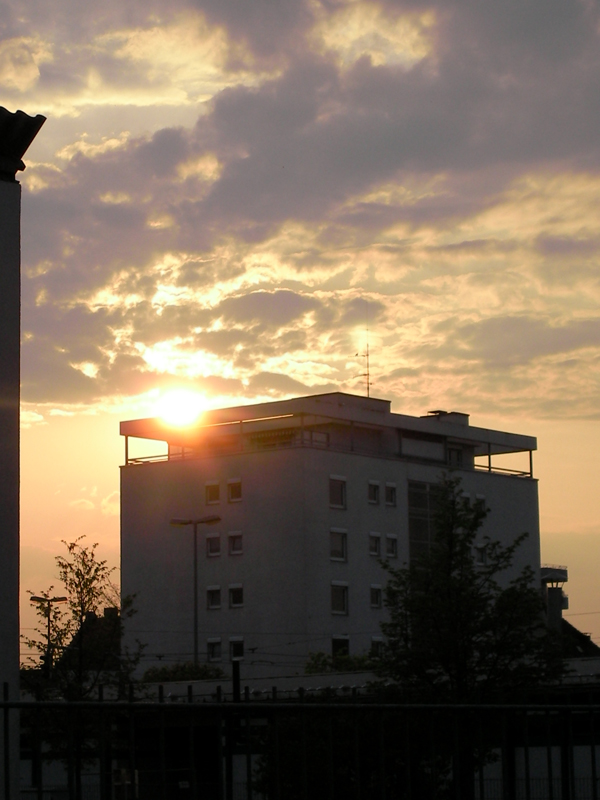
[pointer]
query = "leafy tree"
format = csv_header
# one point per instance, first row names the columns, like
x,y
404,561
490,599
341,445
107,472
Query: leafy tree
x,y
456,633
320,663
78,644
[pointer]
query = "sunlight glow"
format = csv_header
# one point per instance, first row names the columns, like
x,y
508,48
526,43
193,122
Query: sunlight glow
x,y
180,406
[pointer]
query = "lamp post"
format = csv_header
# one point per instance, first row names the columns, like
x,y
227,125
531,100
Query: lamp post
x,y
211,519
47,602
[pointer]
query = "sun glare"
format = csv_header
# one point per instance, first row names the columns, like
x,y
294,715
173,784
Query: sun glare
x,y
179,407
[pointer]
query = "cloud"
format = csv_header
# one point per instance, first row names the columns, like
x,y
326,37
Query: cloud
x,y
111,505
82,504
438,160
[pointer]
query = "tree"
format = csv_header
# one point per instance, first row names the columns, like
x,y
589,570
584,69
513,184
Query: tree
x,y
79,645
456,633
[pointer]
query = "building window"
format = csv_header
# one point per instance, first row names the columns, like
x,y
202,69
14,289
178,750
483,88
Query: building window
x,y
236,595
391,546
375,544
236,649
339,598
340,646
212,493
422,500
480,554
213,597
337,492
373,492
213,545
236,545
213,650
390,494
376,596
234,491
455,457
376,647
338,545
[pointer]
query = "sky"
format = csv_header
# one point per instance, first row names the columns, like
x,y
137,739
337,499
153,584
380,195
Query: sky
x,y
228,195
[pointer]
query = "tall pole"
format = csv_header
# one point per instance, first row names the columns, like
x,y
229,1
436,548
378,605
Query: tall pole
x,y
195,592
17,131
211,519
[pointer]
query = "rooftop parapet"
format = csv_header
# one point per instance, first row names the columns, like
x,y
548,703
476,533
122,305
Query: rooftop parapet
x,y
339,421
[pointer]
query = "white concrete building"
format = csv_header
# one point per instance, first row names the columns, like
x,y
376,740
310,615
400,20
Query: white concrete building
x,y
311,493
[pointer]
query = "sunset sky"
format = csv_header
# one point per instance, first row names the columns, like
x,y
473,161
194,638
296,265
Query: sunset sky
x,y
227,193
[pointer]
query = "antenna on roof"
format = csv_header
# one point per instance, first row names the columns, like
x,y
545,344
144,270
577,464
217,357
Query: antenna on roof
x,y
365,355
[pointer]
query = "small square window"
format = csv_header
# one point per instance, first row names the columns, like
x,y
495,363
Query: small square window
x,y
480,554
236,545
213,650
213,546
390,495
236,596
376,648
212,492
234,491
455,457
236,649
337,493
376,596
213,598
338,544
391,546
339,599
374,544
340,646
373,493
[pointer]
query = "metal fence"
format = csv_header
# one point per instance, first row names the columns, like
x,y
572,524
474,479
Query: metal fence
x,y
305,750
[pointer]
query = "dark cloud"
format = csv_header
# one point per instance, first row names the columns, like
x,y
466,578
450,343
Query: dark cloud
x,y
508,341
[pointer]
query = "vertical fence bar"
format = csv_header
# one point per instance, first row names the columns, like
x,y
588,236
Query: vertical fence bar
x,y
103,760
382,772
566,757
525,717
549,760
304,753
6,731
192,745
248,749
357,753
277,789
132,743
481,755
162,744
38,764
228,755
407,755
330,757
591,715
220,730
70,754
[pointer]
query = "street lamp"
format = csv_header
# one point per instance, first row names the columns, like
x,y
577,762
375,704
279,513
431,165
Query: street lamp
x,y
211,519
47,602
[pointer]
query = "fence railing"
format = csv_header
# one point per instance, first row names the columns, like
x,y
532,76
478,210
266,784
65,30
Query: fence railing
x,y
310,750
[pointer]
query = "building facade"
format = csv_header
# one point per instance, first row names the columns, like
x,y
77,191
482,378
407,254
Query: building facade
x,y
311,494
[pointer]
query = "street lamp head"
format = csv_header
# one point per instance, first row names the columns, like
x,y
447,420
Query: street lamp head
x,y
211,519
35,599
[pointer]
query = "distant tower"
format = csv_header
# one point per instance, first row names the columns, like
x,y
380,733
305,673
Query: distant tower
x,y
17,131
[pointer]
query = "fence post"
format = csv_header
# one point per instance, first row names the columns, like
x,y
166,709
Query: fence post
x,y
6,743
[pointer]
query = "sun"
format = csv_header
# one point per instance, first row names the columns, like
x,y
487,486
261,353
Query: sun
x,y
180,406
